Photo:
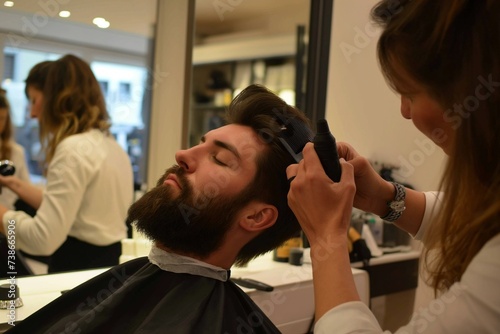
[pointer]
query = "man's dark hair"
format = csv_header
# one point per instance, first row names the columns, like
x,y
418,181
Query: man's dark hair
x,y
265,112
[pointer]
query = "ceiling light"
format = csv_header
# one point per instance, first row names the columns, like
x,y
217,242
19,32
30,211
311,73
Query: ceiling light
x,y
100,22
64,13
8,3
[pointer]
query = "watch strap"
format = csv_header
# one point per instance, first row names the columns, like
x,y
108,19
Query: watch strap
x,y
397,205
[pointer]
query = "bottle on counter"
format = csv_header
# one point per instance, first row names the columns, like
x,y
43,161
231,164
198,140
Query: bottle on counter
x,y
282,253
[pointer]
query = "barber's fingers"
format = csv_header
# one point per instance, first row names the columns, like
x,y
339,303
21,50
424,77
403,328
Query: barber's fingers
x,y
312,164
346,151
311,157
291,171
347,175
309,164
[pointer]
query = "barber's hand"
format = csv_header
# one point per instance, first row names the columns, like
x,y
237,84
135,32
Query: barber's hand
x,y
370,186
322,207
8,181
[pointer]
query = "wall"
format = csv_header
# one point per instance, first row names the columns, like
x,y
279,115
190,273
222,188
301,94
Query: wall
x,y
170,86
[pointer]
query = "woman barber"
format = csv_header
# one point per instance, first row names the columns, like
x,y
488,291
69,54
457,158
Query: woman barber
x,y
435,54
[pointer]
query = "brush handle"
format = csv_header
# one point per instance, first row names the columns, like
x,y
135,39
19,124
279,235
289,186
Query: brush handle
x,y
326,148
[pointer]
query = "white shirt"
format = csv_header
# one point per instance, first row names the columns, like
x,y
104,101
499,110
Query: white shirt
x,y
88,192
8,197
469,306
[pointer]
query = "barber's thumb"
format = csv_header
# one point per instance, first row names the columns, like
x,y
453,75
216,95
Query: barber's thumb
x,y
347,170
291,171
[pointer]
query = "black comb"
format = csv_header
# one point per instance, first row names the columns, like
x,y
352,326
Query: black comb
x,y
294,136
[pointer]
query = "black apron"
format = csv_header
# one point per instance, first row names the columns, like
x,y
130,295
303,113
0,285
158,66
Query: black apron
x,y
75,254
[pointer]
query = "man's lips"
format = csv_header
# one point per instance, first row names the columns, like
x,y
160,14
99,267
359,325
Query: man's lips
x,y
172,179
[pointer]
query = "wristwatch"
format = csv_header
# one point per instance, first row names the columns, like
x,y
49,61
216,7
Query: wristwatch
x,y
397,205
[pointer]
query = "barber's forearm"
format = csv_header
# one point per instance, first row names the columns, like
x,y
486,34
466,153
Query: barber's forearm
x,y
29,193
332,275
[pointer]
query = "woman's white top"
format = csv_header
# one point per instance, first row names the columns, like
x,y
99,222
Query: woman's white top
x,y
89,189
469,306
8,197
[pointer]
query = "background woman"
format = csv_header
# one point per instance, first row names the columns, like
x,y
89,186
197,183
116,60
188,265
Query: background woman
x,y
80,217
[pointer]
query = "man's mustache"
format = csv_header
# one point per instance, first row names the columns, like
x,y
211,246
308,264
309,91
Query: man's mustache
x,y
180,174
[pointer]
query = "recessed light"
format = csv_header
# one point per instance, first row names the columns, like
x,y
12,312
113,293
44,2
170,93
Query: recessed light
x,y
64,13
100,22
8,3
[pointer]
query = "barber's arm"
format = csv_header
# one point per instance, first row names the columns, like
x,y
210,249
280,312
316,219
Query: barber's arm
x,y
323,209
26,191
373,193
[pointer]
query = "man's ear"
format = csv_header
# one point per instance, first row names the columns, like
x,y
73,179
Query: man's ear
x,y
258,217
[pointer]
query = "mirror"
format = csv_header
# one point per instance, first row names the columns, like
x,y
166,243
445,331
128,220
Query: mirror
x,y
238,43
120,57
261,35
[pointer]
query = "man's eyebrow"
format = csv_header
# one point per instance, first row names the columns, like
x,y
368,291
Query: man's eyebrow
x,y
224,145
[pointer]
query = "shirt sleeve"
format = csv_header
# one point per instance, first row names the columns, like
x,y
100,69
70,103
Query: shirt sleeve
x,y
67,177
432,205
21,166
351,317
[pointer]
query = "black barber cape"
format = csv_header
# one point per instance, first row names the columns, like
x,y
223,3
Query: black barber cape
x,y
140,297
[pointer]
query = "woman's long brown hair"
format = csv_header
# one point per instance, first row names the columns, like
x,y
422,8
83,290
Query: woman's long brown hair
x,y
73,103
451,48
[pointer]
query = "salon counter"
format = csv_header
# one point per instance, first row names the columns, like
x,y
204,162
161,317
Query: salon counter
x,y
393,286
290,305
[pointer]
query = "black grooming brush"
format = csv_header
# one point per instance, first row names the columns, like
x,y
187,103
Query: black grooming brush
x,y
326,148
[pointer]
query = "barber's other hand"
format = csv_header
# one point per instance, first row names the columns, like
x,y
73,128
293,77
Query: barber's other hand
x,y
371,188
8,181
322,207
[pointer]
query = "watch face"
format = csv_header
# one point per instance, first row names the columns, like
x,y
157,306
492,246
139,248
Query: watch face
x,y
398,206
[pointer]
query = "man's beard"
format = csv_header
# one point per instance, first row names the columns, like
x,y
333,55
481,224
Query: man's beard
x,y
184,223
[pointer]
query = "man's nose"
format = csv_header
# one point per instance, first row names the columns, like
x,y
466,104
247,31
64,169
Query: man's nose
x,y
186,160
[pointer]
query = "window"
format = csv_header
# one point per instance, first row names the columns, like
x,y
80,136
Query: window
x,y
104,87
124,89
124,92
